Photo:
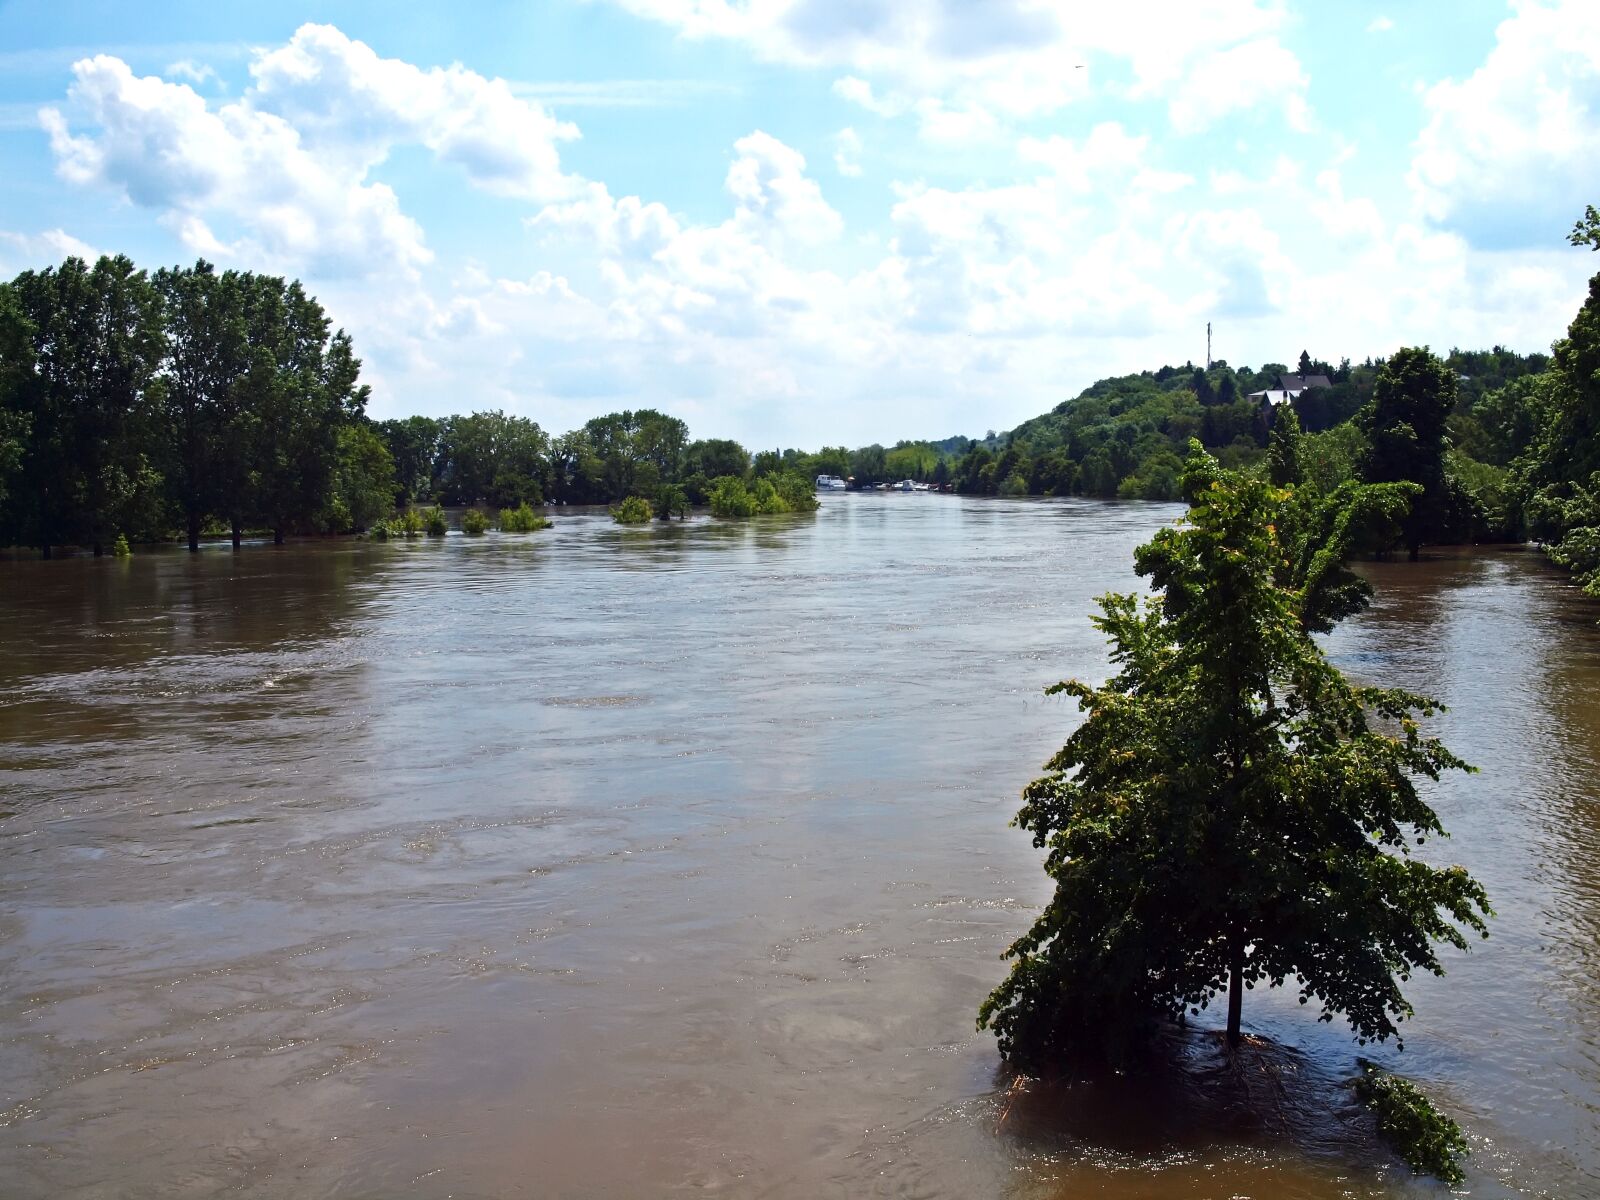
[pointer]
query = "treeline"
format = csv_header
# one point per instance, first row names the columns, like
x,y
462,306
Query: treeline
x,y
1546,429
192,402
141,405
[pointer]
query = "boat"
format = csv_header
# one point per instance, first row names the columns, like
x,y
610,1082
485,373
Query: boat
x,y
830,483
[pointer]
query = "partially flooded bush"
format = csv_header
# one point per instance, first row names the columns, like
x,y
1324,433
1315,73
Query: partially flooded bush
x,y
634,510
433,520
730,498
474,522
120,547
407,524
1429,1141
781,492
522,519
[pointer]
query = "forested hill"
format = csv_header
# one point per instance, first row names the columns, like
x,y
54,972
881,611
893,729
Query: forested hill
x,y
1125,436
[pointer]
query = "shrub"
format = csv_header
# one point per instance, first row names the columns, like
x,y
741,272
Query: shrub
x,y
433,520
671,501
635,510
1429,1141
382,531
407,524
120,547
474,522
522,519
798,493
730,498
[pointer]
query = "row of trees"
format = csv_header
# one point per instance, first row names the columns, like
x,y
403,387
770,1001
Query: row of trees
x,y
143,404
192,401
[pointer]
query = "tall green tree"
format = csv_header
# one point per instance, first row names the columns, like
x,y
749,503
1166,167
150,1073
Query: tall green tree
x,y
1405,427
1231,812
96,343
206,359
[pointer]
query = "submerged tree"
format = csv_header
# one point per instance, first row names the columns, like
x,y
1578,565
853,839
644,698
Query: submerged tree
x,y
1233,811
1405,424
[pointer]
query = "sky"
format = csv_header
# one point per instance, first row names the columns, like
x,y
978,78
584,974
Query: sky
x,y
807,222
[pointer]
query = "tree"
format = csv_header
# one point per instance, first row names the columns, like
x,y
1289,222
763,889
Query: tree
x,y
1587,230
716,457
95,342
363,483
1405,425
414,443
1232,811
206,356
1283,449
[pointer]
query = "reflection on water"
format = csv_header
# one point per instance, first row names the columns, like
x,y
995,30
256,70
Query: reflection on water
x,y
628,861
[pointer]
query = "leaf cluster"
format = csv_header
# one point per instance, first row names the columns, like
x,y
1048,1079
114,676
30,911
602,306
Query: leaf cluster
x,y
1430,1142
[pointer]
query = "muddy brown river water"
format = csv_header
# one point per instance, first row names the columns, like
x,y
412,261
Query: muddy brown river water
x,y
673,861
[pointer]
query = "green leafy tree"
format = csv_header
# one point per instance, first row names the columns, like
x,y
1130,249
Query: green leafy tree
x,y
1587,230
716,457
206,357
415,444
1405,428
96,343
1232,811
363,485
634,510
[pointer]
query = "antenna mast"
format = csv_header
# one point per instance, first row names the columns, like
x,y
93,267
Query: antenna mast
x,y
1208,345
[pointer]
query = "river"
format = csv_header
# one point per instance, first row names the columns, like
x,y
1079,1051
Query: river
x,y
644,862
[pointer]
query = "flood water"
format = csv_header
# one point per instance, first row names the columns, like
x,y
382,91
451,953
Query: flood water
x,y
611,862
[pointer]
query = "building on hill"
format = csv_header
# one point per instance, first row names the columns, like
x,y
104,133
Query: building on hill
x,y
1290,386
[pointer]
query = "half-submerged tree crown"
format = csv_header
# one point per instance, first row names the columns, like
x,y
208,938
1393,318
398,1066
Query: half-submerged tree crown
x,y
1232,808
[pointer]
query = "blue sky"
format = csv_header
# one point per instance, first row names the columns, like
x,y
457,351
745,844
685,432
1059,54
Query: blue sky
x,y
806,221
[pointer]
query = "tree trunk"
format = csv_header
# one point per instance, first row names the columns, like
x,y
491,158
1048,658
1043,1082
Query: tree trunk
x,y
1416,551
1235,988
99,550
194,532
277,536
238,535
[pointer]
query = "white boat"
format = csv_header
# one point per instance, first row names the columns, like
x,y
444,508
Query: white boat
x,y
830,483
905,485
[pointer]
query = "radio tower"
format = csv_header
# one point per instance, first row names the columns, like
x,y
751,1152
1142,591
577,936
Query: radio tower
x,y
1208,345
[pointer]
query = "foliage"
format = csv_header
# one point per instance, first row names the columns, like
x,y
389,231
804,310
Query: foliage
x,y
382,531
522,519
1430,1142
408,524
731,498
434,522
1232,811
1586,232
671,501
1405,428
474,522
363,478
120,547
634,510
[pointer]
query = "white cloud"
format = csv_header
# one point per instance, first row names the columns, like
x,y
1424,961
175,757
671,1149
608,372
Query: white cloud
x,y
1507,156
20,251
964,67
847,152
1253,74
287,166
187,68
162,147
1380,24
